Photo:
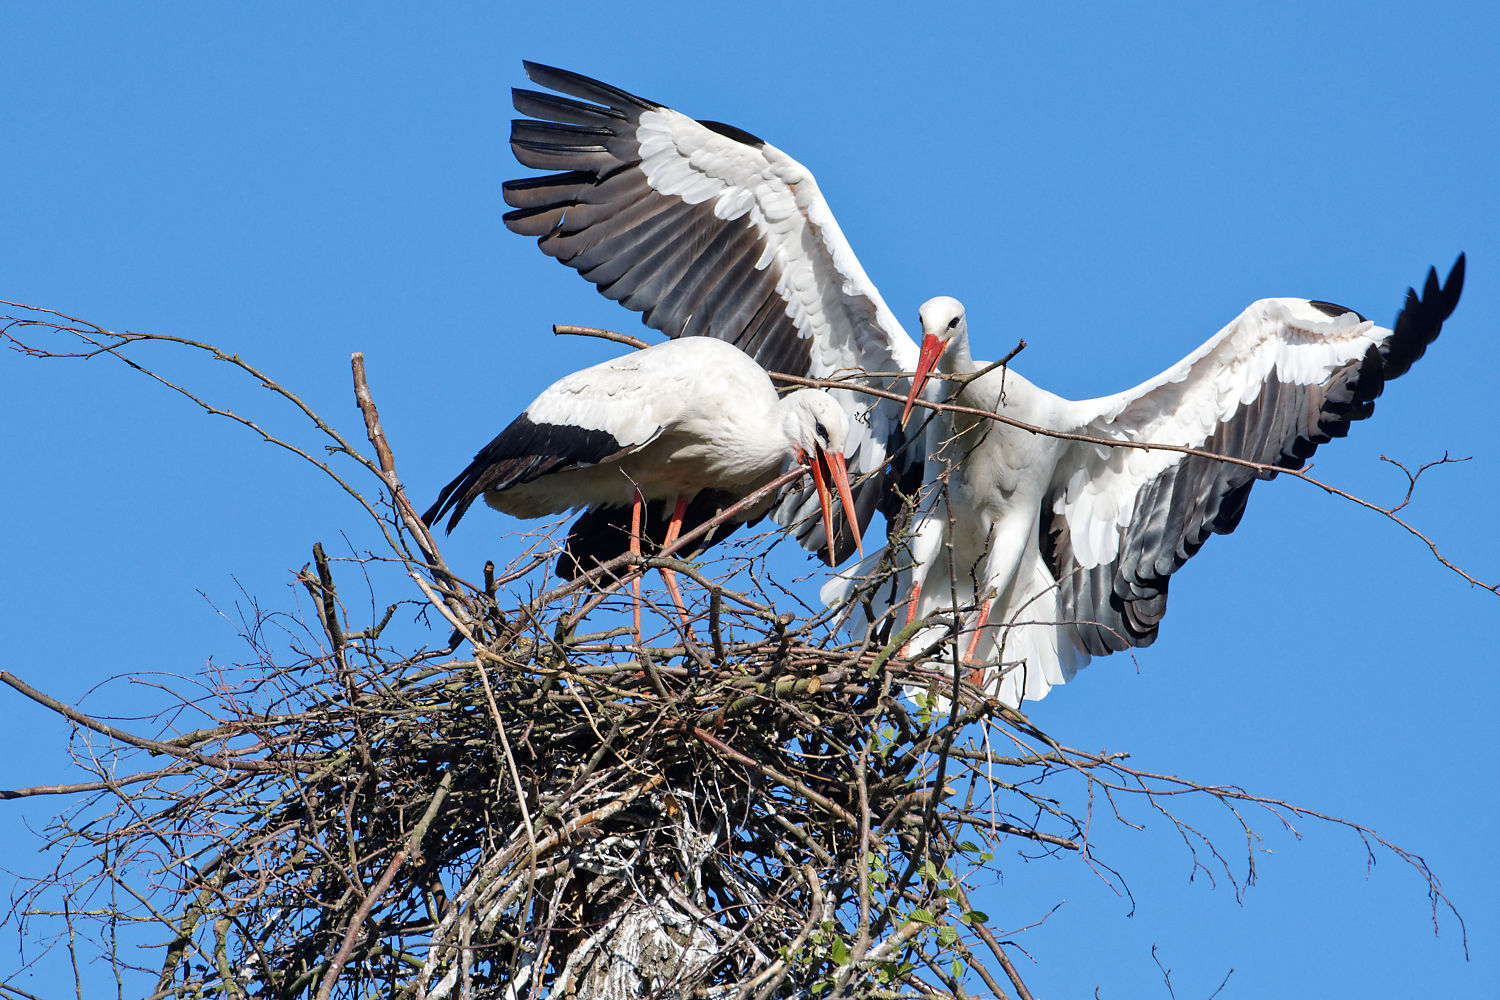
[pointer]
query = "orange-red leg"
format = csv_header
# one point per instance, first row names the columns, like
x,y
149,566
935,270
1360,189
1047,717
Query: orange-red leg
x,y
911,614
911,609
984,616
635,550
674,528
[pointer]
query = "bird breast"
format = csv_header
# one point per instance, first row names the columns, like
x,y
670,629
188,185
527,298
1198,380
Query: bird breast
x,y
999,465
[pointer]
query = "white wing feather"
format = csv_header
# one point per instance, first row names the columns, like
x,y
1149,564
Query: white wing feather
x,y
1288,340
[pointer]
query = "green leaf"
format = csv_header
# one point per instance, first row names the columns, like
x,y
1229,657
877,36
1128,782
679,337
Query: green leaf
x,y
957,969
922,916
839,951
947,935
976,917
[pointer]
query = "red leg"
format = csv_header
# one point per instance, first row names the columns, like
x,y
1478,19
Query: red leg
x,y
984,616
911,614
911,609
674,528
635,550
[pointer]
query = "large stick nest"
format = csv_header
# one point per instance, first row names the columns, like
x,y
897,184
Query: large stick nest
x,y
754,812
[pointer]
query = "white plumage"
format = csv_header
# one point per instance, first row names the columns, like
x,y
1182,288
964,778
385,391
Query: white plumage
x,y
677,422
1064,548
710,231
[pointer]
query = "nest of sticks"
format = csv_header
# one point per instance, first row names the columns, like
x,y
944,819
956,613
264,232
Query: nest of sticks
x,y
755,811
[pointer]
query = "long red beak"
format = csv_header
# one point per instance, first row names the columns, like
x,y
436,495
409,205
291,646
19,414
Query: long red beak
x,y
838,471
933,347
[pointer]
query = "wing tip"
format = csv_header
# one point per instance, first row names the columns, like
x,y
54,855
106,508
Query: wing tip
x,y
457,496
586,87
1421,318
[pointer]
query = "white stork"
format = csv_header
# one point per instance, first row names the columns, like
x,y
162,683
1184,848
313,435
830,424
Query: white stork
x,y
695,423
1066,546
708,230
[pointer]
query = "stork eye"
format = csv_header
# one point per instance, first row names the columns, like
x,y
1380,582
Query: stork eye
x,y
820,430
953,322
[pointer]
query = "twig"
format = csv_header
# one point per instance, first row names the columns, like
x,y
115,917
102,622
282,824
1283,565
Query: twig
x,y
356,923
568,330
154,746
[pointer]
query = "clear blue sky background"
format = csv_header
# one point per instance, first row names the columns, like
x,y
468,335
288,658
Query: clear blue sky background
x,y
1111,182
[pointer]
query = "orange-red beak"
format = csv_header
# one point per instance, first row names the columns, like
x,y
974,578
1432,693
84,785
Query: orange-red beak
x,y
838,471
933,347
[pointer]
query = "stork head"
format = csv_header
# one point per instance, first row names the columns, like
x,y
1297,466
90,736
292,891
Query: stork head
x,y
818,429
943,324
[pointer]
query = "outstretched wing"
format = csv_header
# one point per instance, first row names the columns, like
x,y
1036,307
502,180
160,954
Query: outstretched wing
x,y
707,230
1284,377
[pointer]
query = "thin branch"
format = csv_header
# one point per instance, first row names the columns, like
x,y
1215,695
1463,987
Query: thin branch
x,y
154,746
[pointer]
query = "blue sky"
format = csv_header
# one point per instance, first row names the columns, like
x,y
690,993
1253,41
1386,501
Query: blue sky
x,y
1111,183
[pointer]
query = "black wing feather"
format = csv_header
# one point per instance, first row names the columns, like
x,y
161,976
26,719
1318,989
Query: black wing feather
x,y
525,451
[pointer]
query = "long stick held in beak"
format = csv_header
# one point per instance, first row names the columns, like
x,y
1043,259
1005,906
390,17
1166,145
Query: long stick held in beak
x,y
933,347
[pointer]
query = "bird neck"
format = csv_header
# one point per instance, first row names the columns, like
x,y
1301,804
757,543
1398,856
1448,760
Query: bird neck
x,y
957,360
